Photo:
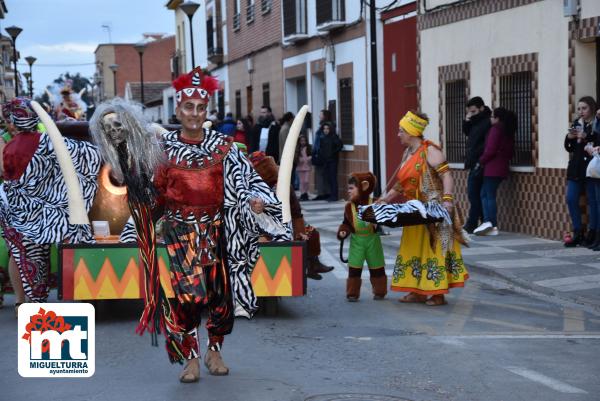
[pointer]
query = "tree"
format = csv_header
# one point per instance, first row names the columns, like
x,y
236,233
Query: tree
x,y
78,82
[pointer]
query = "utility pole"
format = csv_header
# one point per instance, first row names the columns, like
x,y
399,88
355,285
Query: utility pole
x,y
108,29
374,97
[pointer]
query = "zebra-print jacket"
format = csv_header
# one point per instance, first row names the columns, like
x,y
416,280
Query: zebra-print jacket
x,y
36,203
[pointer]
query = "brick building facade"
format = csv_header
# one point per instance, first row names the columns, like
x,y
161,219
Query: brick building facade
x,y
254,57
156,63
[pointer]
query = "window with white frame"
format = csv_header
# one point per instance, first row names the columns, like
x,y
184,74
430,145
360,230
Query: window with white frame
x,y
294,17
237,7
250,11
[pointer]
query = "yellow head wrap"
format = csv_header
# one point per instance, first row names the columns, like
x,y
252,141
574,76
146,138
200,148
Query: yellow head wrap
x,y
412,124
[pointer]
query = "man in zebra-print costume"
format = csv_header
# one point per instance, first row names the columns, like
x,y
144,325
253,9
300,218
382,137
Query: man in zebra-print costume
x,y
215,207
34,201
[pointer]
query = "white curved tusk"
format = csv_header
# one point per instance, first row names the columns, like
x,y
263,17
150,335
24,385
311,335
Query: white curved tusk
x,y
77,212
82,91
284,178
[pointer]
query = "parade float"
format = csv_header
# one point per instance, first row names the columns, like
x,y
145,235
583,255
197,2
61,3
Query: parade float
x,y
109,270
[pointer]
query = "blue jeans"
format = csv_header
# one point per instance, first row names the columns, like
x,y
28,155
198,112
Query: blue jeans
x,y
474,182
574,191
489,189
592,187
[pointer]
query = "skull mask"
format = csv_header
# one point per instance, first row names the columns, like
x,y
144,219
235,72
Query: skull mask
x,y
113,129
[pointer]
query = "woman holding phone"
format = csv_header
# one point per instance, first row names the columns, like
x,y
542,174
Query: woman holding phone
x,y
578,136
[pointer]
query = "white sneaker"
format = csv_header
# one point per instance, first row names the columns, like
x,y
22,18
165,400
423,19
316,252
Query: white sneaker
x,y
494,231
483,229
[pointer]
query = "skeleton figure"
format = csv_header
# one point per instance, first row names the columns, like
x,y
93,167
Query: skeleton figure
x,y
120,129
113,128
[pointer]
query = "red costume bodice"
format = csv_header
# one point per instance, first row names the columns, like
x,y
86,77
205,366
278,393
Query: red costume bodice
x,y
18,153
193,188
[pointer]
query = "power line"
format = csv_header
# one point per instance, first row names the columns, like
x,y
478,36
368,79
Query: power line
x,y
57,65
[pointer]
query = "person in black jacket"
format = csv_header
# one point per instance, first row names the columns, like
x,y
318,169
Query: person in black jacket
x,y
475,126
579,135
264,136
329,150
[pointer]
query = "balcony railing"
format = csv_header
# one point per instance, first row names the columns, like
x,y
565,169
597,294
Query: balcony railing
x,y
250,13
215,55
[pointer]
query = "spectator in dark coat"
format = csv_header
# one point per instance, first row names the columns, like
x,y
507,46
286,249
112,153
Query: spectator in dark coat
x,y
475,126
321,183
498,150
329,150
264,136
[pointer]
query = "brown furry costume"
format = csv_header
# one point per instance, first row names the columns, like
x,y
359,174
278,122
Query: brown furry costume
x,y
365,183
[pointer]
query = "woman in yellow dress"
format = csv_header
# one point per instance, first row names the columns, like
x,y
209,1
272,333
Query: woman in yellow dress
x,y
429,261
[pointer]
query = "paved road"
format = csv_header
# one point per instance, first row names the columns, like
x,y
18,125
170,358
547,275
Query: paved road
x,y
492,342
542,265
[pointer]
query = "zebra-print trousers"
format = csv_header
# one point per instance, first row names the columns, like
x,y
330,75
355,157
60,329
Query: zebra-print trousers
x,y
33,261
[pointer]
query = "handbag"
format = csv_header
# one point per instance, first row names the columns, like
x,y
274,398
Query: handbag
x,y
593,168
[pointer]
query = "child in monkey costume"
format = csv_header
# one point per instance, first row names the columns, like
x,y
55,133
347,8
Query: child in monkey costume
x,y
365,243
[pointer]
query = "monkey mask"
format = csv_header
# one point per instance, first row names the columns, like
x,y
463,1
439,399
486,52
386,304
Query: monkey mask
x,y
365,182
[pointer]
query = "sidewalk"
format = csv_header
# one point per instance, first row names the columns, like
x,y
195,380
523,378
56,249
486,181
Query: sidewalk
x,y
537,264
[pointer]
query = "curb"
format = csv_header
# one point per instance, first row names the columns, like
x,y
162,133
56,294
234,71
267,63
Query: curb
x,y
510,278
529,286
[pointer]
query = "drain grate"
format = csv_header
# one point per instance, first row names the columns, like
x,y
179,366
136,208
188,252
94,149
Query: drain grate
x,y
354,397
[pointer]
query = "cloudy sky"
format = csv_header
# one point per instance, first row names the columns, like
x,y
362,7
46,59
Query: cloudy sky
x,y
63,34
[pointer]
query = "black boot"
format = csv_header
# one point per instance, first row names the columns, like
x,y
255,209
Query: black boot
x,y
596,245
576,240
589,238
315,265
595,241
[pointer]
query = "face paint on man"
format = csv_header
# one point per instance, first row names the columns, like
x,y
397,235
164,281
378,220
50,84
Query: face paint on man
x,y
192,114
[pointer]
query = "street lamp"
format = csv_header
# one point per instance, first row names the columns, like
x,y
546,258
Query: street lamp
x,y
114,68
30,60
189,8
13,32
140,47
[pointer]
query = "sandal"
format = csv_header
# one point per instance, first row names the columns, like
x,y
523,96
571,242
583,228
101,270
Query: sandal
x,y
436,300
214,363
413,298
191,372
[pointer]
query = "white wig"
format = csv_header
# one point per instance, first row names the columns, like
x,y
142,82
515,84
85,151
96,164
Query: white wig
x,y
143,151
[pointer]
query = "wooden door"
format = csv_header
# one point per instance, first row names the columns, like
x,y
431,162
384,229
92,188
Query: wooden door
x,y
400,74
